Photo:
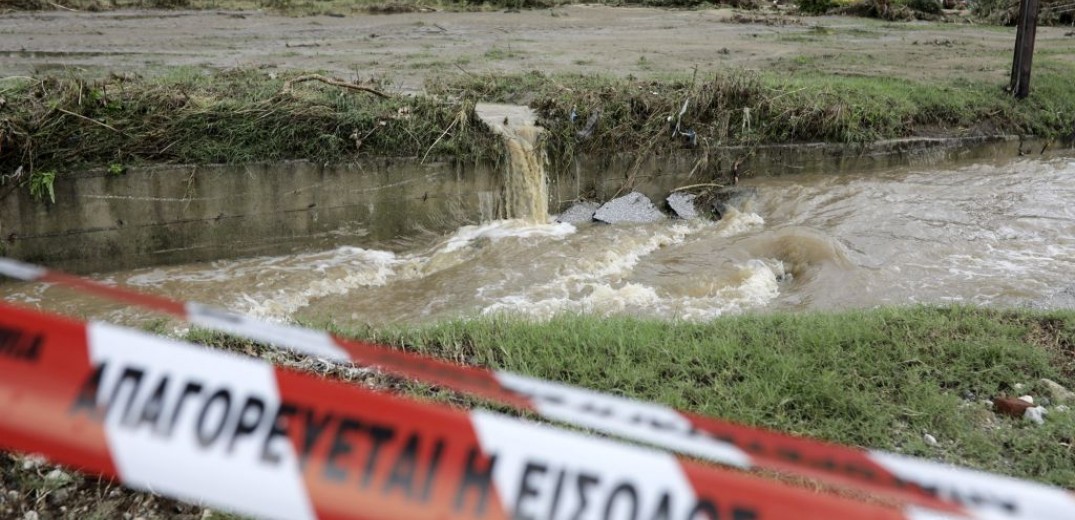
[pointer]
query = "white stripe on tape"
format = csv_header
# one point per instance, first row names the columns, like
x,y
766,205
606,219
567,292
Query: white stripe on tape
x,y
989,496
307,341
538,469
16,269
175,424
637,420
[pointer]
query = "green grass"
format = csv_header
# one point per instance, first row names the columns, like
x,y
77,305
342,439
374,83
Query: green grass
x,y
878,379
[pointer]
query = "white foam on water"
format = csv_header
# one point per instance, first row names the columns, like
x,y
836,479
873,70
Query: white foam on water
x,y
736,222
501,229
755,285
599,284
602,299
350,268
624,254
339,271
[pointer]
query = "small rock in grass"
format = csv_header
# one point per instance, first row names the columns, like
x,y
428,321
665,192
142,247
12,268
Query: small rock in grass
x,y
30,515
931,440
1062,408
58,476
1026,398
32,462
1035,415
1058,392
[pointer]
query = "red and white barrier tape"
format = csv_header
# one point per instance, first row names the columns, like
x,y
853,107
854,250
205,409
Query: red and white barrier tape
x,y
237,433
922,482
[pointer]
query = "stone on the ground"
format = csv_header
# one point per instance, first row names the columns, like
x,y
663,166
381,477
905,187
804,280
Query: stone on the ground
x,y
931,440
682,204
631,208
1057,391
1035,414
59,476
579,212
1026,398
32,462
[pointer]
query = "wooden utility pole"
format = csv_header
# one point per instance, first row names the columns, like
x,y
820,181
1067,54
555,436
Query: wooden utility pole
x,y
1024,48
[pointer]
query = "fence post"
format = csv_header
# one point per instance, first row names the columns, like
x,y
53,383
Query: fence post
x,y
1024,48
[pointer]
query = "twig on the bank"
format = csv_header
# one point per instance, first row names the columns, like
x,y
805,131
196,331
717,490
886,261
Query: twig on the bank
x,y
96,122
459,117
16,180
65,8
335,82
465,71
702,185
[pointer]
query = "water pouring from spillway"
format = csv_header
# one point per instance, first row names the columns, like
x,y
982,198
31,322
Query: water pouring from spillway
x,y
526,194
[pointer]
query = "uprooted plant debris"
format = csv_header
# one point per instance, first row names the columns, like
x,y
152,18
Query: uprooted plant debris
x,y
746,108
67,123
237,116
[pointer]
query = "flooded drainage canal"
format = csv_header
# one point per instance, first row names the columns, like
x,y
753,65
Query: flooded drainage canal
x,y
381,242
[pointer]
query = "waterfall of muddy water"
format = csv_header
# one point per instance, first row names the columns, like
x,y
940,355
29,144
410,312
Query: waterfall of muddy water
x,y
988,233
526,192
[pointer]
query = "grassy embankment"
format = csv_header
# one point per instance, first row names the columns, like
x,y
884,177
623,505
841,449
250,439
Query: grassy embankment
x,y
53,124
878,378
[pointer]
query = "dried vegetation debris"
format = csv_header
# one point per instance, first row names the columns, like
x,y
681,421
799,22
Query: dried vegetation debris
x,y
233,116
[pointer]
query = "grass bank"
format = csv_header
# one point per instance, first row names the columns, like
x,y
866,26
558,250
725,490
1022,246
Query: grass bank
x,y
878,379
52,125
762,108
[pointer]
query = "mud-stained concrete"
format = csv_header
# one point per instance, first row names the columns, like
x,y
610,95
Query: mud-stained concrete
x,y
175,214
405,49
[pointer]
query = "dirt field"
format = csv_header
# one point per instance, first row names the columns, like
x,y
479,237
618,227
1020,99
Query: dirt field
x,y
405,49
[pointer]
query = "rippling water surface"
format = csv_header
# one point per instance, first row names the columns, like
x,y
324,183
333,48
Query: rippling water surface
x,y
991,234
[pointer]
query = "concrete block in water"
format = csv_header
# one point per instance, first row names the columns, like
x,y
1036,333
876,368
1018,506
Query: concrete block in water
x,y
579,212
633,207
683,205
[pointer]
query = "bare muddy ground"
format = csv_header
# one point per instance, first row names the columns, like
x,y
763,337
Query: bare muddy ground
x,y
406,49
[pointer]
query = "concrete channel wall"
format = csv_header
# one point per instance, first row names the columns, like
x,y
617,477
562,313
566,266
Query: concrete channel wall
x,y
173,214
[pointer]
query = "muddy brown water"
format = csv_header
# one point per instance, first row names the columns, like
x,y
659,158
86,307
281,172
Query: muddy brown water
x,y
998,233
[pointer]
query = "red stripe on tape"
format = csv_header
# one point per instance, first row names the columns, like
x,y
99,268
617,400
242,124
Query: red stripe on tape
x,y
44,363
